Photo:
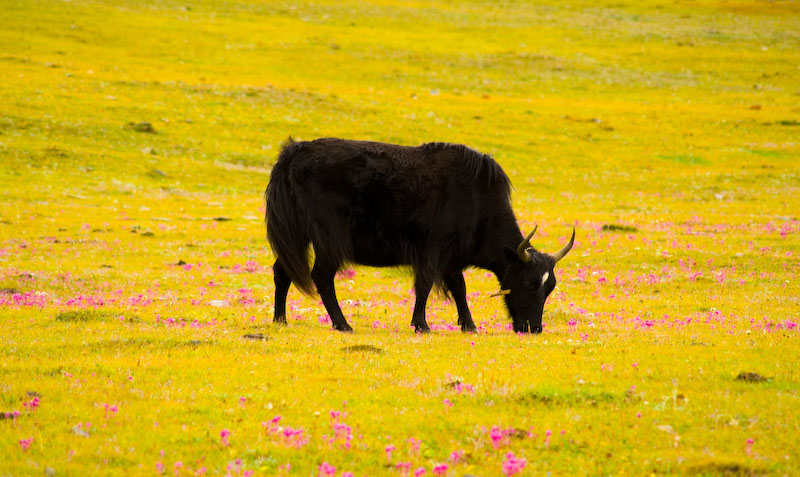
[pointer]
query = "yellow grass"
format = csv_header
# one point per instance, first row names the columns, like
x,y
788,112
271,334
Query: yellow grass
x,y
124,302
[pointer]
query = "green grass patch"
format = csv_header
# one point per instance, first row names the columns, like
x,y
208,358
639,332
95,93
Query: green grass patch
x,y
72,316
619,228
686,159
569,399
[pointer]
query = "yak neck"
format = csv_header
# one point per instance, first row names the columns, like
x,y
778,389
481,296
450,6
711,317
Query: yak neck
x,y
491,256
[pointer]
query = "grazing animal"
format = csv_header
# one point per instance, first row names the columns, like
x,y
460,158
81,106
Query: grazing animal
x,y
438,208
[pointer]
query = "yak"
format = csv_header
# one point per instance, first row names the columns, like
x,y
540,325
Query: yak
x,y
437,208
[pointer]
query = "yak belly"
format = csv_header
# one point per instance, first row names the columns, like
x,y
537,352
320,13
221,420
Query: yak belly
x,y
371,249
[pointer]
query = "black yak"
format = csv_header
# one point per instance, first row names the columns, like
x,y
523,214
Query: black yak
x,y
438,208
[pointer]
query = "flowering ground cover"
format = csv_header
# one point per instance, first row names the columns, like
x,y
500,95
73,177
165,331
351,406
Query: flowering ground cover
x,y
136,140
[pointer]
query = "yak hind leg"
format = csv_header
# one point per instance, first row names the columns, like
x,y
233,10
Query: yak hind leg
x,y
454,282
422,288
323,276
282,283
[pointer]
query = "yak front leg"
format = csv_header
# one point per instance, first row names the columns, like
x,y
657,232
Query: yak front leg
x,y
455,283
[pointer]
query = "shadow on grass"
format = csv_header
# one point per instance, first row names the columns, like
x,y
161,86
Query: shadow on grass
x,y
726,468
362,349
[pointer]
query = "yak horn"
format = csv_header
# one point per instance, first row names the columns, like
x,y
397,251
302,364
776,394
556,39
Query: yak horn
x,y
561,253
522,248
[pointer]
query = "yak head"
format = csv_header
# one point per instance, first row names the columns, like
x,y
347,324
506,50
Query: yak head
x,y
529,279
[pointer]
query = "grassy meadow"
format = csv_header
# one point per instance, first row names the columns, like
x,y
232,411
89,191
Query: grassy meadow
x,y
136,140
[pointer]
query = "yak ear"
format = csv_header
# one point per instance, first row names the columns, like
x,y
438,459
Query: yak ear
x,y
511,254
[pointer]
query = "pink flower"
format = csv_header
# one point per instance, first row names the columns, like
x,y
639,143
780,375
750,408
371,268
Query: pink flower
x,y
414,445
513,465
294,437
403,467
26,443
419,472
447,403
440,469
342,432
389,449
224,434
251,266
497,436
32,405
235,467
456,456
110,408
326,470
572,322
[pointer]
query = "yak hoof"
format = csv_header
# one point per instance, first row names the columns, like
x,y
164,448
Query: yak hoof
x,y
469,328
344,328
422,329
280,320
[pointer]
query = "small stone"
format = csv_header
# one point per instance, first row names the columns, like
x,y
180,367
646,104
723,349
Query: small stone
x,y
750,377
79,431
143,127
155,173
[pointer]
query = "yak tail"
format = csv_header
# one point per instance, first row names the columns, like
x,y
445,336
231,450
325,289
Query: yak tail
x,y
287,231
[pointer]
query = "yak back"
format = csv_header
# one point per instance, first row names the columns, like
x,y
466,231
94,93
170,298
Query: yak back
x,y
430,206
